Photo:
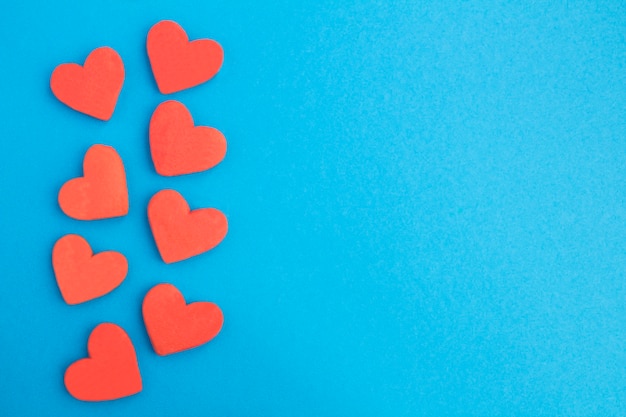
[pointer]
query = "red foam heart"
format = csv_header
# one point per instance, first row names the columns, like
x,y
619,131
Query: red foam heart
x,y
180,148
92,89
110,372
173,325
180,233
101,193
83,276
178,64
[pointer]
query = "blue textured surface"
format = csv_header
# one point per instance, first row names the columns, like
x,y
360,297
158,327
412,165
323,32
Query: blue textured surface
x,y
426,205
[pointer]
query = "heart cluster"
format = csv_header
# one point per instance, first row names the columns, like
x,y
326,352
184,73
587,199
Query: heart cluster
x,y
178,147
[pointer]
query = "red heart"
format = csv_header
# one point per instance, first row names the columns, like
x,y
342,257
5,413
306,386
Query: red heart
x,y
178,64
93,88
83,276
180,148
111,370
173,325
180,233
102,192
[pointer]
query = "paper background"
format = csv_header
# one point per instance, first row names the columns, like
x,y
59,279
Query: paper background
x,y
427,208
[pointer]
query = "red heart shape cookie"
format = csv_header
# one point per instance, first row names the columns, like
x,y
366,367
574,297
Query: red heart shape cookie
x,y
180,233
178,64
111,370
101,193
180,148
173,325
83,276
92,89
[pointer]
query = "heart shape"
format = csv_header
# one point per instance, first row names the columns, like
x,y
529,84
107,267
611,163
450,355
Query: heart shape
x,y
110,372
180,233
92,89
83,276
173,325
178,64
180,148
102,192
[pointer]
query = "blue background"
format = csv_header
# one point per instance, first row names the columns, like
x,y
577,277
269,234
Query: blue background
x,y
427,207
